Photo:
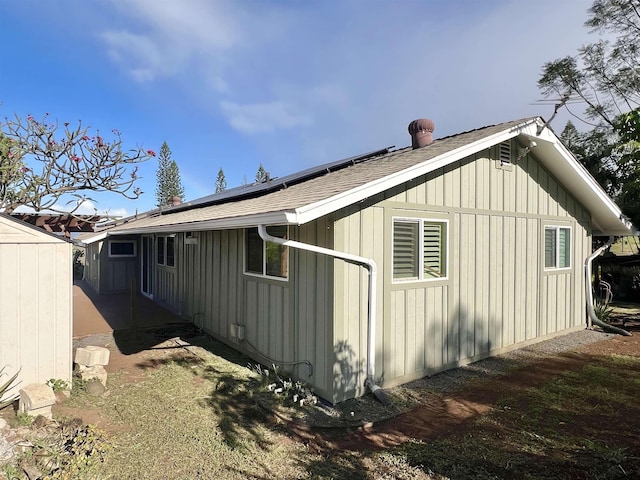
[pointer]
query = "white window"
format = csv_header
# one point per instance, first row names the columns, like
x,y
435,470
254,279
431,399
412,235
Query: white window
x,y
557,247
265,258
122,248
419,249
166,251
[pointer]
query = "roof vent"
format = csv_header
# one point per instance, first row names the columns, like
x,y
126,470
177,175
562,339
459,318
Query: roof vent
x,y
175,201
421,132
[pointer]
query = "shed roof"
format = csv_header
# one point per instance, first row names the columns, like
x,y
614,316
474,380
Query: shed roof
x,y
301,198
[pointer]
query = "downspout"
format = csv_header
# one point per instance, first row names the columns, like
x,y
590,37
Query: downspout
x,y
591,312
372,268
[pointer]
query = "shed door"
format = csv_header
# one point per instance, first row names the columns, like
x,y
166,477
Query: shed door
x,y
146,274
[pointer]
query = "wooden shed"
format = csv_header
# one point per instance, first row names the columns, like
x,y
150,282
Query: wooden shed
x,y
386,267
35,302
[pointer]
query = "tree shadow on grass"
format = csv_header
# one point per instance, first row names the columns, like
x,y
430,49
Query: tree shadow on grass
x,y
232,395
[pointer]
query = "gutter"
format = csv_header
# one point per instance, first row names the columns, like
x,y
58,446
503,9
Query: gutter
x,y
592,318
372,268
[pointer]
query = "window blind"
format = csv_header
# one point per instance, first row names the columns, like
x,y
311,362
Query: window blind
x,y
433,250
405,249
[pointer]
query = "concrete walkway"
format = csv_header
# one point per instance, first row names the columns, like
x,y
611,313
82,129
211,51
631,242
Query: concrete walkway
x,y
94,313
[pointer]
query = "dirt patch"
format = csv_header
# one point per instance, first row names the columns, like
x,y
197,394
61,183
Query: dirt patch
x,y
617,345
442,416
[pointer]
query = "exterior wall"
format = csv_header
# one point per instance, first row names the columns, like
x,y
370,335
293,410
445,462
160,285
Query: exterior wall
x,y
92,265
35,304
107,274
497,294
284,320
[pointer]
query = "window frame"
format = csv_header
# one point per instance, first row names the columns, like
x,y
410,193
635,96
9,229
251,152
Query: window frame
x,y
557,253
421,221
264,274
120,242
163,252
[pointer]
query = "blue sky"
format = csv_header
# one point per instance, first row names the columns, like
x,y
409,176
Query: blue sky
x,y
289,84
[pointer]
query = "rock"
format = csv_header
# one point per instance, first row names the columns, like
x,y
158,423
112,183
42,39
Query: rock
x,y
92,356
89,373
36,399
31,471
6,450
62,396
40,421
95,387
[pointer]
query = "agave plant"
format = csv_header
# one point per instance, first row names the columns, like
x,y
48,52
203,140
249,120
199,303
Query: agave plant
x,y
603,311
4,388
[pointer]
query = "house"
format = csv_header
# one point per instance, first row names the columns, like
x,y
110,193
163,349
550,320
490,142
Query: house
x,y
382,268
35,303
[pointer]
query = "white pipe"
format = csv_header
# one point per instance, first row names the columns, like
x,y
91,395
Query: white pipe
x,y
371,266
587,285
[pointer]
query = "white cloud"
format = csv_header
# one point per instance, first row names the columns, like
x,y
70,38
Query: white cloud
x,y
138,54
170,38
264,117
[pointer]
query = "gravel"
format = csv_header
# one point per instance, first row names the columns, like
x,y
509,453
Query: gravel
x,y
456,378
368,409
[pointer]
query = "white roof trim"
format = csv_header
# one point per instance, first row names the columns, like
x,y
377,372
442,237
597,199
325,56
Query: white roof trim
x,y
92,239
272,218
324,207
589,192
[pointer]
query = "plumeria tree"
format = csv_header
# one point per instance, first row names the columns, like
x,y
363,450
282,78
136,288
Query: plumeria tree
x,y
44,163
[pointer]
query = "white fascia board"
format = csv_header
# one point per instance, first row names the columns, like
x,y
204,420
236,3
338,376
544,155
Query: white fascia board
x,y
95,238
272,218
593,187
315,210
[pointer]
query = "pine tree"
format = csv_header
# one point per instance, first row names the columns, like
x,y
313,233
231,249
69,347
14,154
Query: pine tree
x,y
221,181
261,174
168,183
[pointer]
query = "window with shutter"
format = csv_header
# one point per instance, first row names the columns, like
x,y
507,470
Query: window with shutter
x,y
419,249
549,247
434,251
405,250
564,248
557,247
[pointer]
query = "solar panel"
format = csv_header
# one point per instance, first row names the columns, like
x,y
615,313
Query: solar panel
x,y
257,189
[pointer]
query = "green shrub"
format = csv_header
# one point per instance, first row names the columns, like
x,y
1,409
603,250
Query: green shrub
x,y
57,384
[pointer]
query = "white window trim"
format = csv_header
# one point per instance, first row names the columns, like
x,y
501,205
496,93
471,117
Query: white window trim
x,y
264,259
164,257
421,221
544,247
135,248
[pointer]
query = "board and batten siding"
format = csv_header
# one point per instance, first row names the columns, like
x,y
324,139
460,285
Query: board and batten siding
x,y
106,274
284,320
497,294
92,265
35,304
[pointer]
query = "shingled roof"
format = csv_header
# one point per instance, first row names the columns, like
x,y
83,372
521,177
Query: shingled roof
x,y
300,198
